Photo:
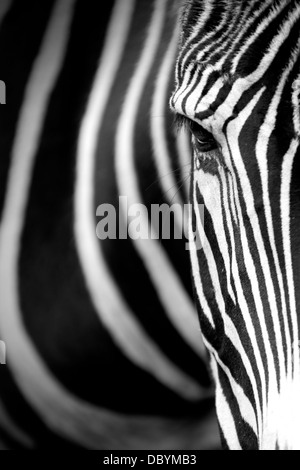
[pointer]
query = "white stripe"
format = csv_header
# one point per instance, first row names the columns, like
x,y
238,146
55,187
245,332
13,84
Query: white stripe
x,y
213,205
229,196
286,178
170,290
234,129
262,160
196,275
252,276
202,20
247,255
185,157
296,105
227,40
245,406
213,202
285,190
193,97
216,44
249,263
276,10
230,38
65,414
225,417
210,189
40,85
184,89
162,156
106,296
187,84
241,85
203,179
161,151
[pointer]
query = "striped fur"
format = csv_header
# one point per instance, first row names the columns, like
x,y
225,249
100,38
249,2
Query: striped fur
x,y
238,87
103,343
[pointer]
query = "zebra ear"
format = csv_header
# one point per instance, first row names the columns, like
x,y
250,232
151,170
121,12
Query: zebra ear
x,y
2,352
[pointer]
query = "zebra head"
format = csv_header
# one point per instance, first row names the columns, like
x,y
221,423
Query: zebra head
x,y
238,92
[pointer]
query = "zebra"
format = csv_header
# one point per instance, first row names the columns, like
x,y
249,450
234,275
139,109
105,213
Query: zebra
x,y
103,344
238,94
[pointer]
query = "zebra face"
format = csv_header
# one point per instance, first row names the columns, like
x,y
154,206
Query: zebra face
x,y
238,92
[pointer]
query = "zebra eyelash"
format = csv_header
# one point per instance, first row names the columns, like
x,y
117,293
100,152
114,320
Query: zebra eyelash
x,y
201,138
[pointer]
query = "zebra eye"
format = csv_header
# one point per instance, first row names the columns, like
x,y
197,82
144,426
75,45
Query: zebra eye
x,y
201,138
